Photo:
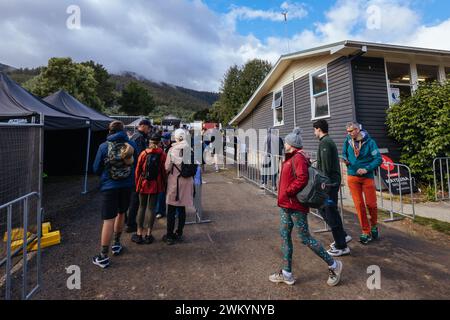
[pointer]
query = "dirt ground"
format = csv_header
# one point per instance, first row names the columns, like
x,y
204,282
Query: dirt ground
x,y
232,257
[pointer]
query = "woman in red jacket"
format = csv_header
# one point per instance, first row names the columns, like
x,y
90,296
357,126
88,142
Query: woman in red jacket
x,y
150,181
292,212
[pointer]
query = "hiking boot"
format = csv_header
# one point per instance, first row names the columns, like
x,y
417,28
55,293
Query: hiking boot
x,y
131,229
149,239
178,237
339,252
101,261
116,248
334,275
365,238
375,233
280,277
137,238
347,240
168,240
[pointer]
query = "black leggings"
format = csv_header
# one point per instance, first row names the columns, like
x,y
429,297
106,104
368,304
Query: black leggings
x,y
171,211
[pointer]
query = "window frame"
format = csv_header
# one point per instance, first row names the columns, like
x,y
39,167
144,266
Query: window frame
x,y
274,109
314,96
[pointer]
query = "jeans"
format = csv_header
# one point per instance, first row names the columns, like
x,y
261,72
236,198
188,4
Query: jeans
x,y
171,211
330,214
161,204
133,209
146,213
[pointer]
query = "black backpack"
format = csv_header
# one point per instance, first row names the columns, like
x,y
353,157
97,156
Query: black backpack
x,y
187,170
151,169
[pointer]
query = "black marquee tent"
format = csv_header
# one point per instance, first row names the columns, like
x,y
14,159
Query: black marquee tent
x,y
65,133
63,101
16,102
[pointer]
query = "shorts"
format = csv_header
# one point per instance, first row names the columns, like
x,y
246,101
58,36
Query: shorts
x,y
115,201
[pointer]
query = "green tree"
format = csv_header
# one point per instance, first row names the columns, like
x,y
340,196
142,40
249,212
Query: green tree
x,y
238,85
421,125
136,100
75,78
105,87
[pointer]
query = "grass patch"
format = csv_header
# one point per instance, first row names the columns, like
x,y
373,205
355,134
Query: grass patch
x,y
437,225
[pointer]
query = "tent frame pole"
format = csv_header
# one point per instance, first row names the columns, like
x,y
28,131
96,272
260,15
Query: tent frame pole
x,y
87,162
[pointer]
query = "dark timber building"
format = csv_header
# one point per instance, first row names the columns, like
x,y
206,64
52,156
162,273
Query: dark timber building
x,y
341,82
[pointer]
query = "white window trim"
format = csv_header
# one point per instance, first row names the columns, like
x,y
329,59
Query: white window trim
x,y
275,123
312,96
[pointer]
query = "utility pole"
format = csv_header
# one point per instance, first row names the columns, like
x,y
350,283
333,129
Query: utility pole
x,y
284,13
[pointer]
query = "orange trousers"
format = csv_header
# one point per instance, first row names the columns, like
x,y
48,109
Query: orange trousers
x,y
359,186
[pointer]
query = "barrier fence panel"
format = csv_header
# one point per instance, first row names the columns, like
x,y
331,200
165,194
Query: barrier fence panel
x,y
441,178
401,181
21,160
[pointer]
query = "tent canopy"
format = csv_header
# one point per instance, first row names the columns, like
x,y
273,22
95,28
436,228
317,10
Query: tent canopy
x,y
16,102
64,102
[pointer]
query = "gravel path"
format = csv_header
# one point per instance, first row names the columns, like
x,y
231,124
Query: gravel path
x,y
232,257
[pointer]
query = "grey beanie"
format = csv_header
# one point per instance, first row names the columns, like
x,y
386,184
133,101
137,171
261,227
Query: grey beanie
x,y
295,138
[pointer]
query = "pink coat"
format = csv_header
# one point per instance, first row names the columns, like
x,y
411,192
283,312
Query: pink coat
x,y
186,185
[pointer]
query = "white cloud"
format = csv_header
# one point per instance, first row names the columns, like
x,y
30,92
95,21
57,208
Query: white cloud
x,y
184,42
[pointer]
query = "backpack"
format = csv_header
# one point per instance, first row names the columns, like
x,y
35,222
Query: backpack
x,y
187,170
151,169
118,161
315,193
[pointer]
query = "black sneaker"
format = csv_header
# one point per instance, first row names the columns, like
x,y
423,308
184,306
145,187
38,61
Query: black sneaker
x,y
178,237
168,240
149,239
137,238
116,248
101,261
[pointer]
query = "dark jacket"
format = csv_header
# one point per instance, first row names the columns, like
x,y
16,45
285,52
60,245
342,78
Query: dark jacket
x,y
290,185
328,160
141,140
99,164
369,157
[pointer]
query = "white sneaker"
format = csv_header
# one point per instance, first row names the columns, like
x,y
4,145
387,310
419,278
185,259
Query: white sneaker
x,y
280,277
334,275
338,252
347,240
262,186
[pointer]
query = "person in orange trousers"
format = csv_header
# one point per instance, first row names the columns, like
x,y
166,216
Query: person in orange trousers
x,y
362,157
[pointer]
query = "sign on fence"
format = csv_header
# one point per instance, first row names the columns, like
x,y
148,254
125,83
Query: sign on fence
x,y
397,176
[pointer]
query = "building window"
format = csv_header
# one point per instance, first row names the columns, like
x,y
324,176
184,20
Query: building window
x,y
427,73
277,106
319,94
400,84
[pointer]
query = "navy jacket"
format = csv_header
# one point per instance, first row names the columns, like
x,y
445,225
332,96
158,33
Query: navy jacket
x,y
106,183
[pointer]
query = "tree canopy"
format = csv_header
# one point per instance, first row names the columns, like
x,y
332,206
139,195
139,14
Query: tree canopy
x,y
238,85
136,100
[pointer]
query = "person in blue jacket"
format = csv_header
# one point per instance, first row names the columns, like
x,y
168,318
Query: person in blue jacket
x,y
115,164
362,157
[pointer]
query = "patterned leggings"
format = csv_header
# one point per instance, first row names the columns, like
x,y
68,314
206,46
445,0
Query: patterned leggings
x,y
301,222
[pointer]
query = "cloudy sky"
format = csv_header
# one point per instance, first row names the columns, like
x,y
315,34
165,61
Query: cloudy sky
x,y
193,42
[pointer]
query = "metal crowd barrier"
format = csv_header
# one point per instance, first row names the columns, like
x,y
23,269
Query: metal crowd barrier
x,y
439,188
26,242
396,178
263,169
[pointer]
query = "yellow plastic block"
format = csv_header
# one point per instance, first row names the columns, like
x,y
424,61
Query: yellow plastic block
x,y
16,234
46,227
47,240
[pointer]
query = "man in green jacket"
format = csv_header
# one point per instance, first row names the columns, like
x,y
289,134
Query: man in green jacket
x,y
328,163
